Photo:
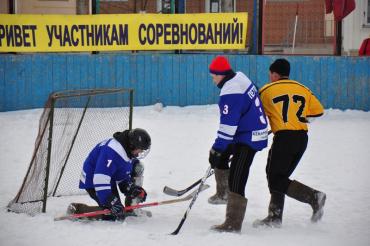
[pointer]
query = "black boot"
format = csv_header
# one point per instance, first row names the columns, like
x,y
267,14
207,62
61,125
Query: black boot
x,y
275,212
308,195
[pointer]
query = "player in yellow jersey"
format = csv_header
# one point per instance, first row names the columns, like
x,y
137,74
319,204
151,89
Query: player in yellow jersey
x,y
289,106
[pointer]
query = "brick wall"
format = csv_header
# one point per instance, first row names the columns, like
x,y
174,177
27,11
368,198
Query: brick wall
x,y
279,25
4,7
279,17
67,7
130,6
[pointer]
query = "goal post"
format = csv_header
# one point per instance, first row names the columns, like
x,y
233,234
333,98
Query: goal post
x,y
71,124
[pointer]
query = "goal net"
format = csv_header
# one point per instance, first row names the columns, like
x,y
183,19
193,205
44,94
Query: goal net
x,y
72,123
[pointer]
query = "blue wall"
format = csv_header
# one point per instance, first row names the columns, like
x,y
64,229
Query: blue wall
x,y
173,79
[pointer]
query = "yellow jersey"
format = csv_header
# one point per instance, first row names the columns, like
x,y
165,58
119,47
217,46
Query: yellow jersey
x,y
287,105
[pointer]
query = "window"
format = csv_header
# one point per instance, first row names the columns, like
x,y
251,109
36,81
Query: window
x,y
367,9
215,6
170,6
164,6
365,13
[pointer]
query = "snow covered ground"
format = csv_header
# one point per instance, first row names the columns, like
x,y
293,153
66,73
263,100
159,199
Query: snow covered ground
x,y
337,162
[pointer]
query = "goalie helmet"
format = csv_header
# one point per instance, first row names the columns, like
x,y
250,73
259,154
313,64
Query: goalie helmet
x,y
139,139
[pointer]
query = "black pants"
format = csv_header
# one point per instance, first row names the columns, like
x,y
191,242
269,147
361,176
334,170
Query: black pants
x,y
286,151
242,158
93,195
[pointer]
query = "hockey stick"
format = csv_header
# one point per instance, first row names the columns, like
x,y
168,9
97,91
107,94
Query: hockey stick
x,y
172,192
192,201
127,208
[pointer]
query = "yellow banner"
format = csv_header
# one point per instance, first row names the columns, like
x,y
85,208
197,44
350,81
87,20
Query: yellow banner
x,y
64,33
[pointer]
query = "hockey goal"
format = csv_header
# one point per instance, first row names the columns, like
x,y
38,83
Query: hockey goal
x,y
72,123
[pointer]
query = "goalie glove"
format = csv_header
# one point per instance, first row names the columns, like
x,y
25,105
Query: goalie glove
x,y
133,191
138,193
116,208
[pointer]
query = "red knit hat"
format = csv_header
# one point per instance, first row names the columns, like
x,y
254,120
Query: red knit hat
x,y
220,66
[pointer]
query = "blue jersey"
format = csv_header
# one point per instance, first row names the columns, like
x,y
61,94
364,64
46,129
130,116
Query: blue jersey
x,y
242,119
105,167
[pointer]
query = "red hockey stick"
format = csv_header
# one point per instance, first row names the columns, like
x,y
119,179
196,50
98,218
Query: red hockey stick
x,y
142,205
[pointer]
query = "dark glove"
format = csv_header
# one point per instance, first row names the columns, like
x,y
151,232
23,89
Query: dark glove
x,y
215,158
117,209
132,191
137,192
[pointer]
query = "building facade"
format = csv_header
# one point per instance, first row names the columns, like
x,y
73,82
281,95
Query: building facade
x,y
299,25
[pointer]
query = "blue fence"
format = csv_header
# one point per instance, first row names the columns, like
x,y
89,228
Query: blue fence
x,y
26,80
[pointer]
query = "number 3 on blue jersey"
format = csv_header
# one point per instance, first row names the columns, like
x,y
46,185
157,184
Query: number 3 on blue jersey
x,y
257,102
226,109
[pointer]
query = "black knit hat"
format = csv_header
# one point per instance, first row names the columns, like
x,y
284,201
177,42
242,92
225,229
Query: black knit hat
x,y
280,66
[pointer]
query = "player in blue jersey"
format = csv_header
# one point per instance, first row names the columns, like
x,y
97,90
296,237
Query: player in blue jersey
x,y
242,132
114,163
